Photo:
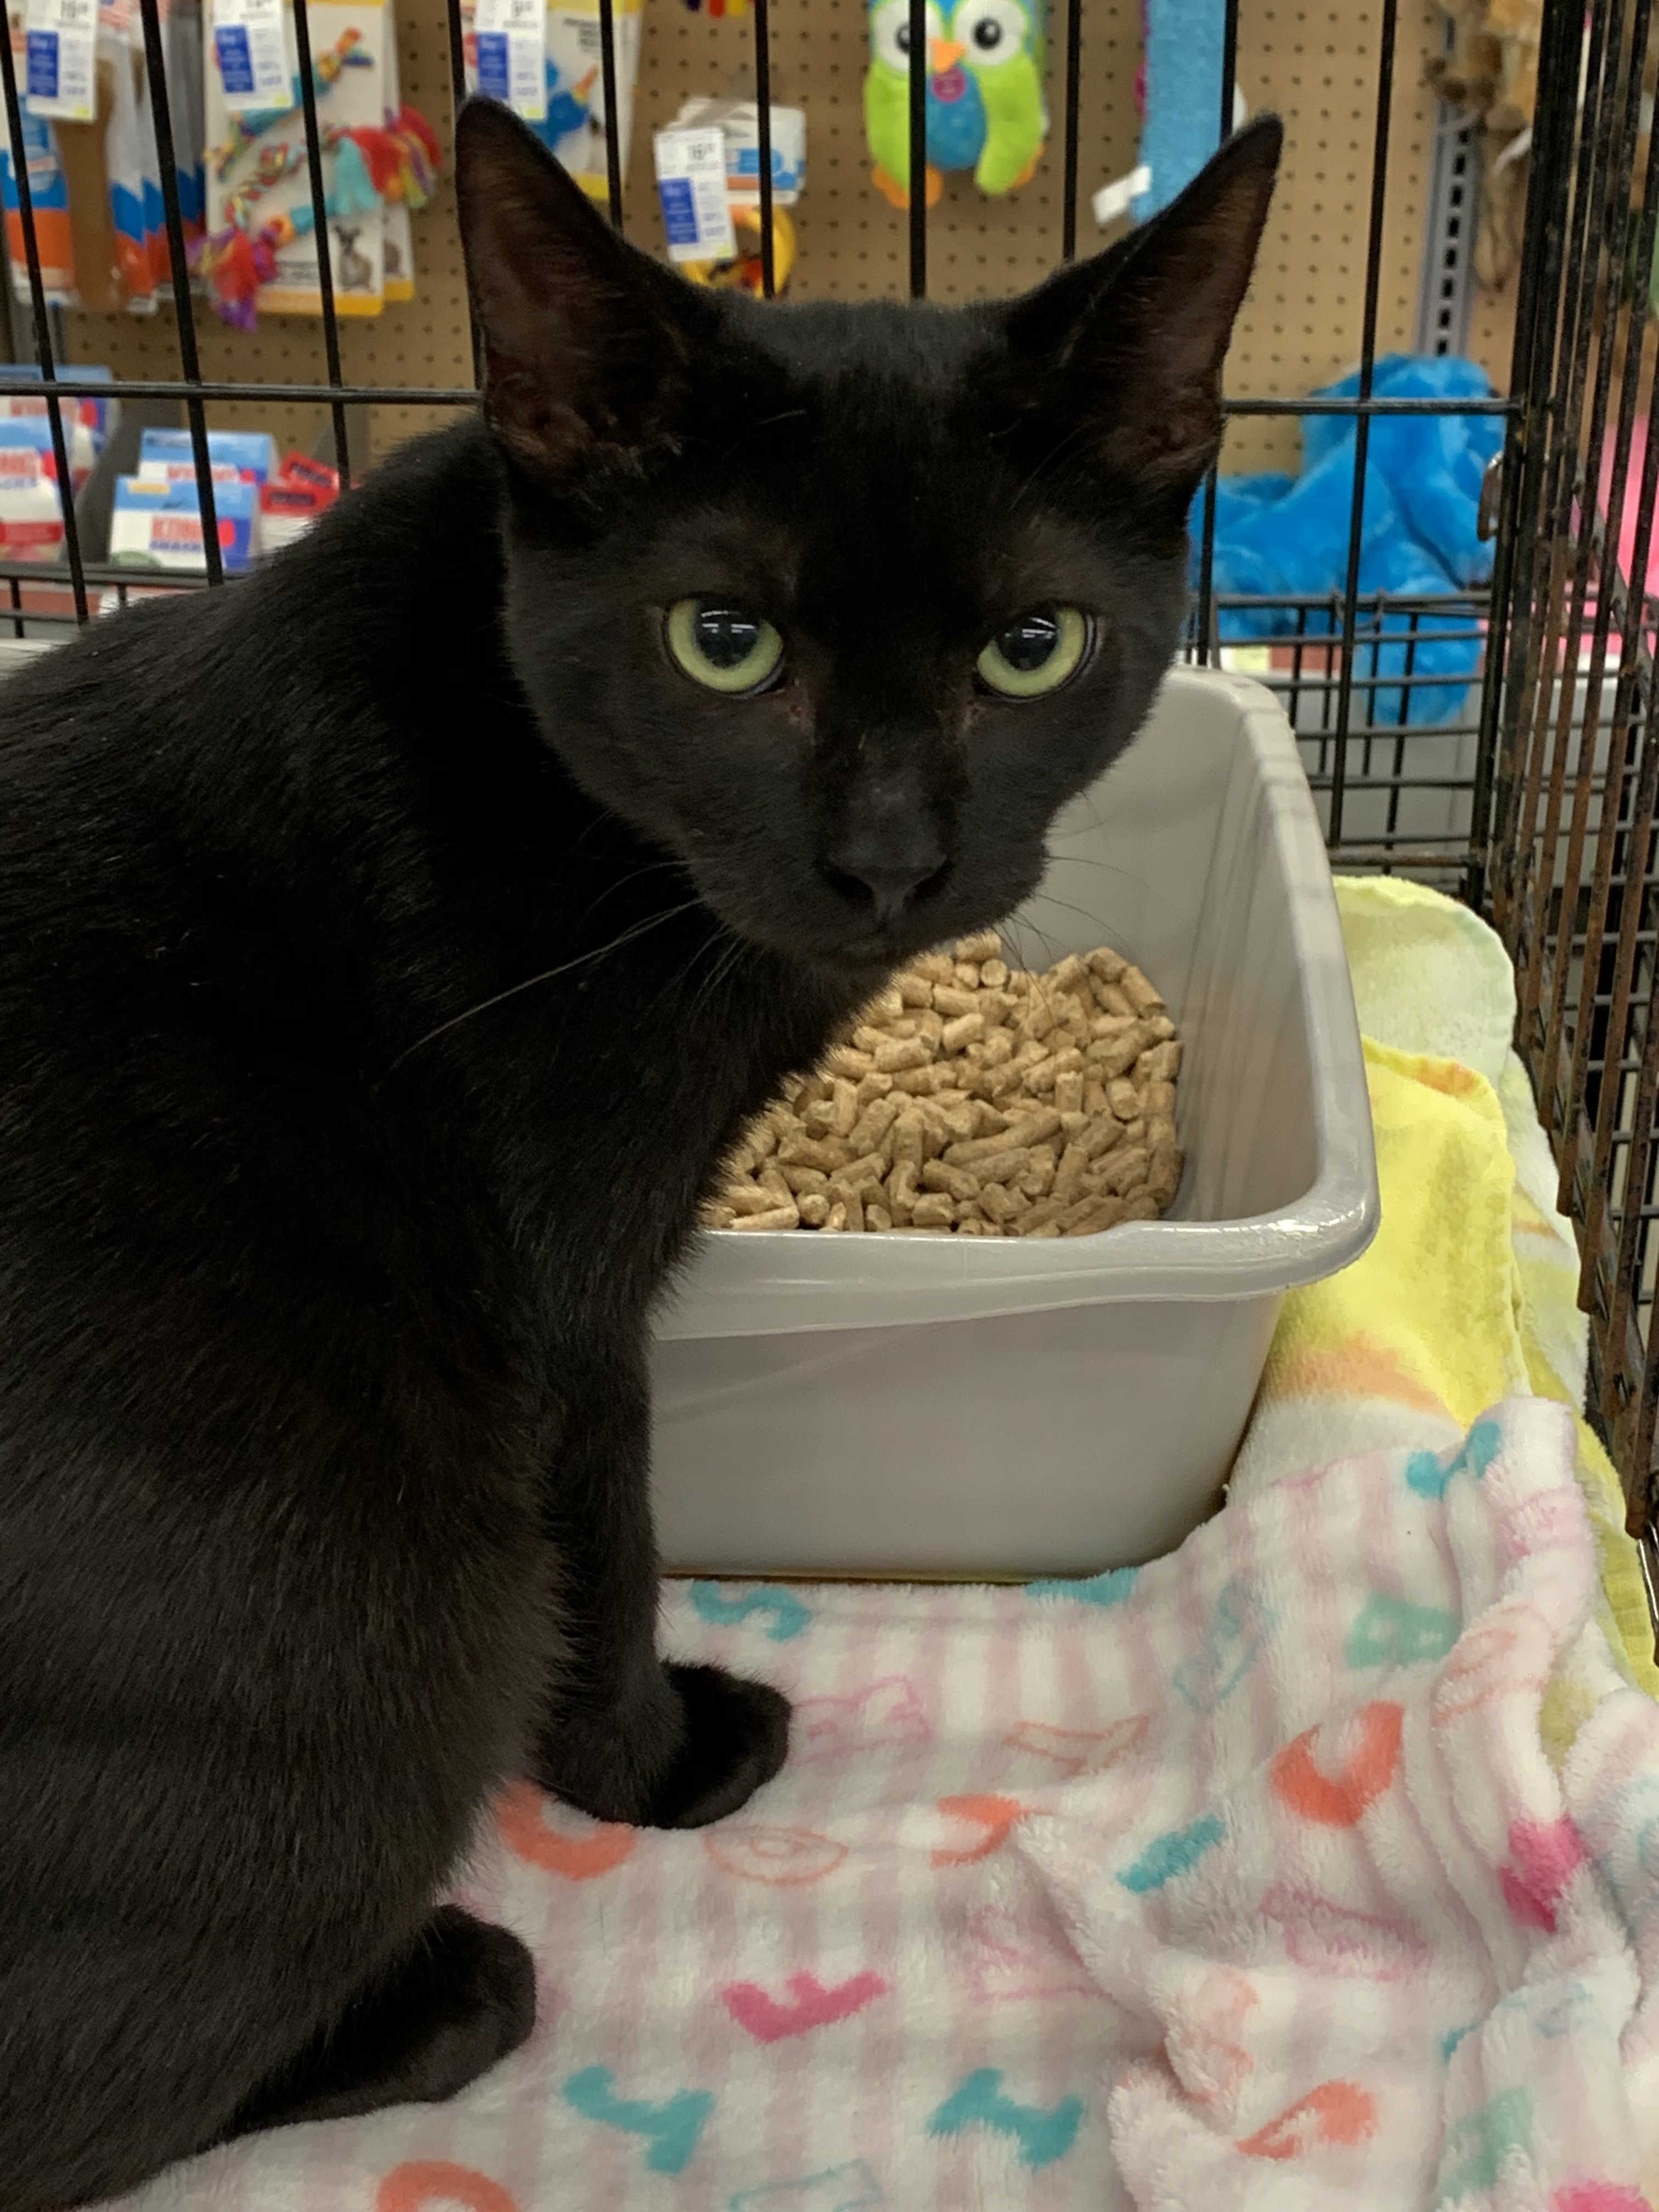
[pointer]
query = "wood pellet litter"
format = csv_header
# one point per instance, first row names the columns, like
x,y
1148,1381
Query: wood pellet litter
x,y
976,1099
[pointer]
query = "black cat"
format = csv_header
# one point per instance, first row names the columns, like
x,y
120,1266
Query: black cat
x,y
389,946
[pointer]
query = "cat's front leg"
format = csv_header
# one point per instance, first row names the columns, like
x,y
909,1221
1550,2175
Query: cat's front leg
x,y
628,1738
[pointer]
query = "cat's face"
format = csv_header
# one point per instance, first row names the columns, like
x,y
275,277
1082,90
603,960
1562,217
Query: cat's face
x,y
840,604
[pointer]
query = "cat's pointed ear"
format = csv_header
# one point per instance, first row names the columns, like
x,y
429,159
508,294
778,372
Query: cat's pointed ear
x,y
1131,343
585,341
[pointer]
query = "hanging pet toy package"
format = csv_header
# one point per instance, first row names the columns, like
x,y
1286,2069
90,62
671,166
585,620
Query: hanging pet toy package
x,y
49,190
89,138
181,37
546,65
131,183
707,164
261,251
737,122
61,79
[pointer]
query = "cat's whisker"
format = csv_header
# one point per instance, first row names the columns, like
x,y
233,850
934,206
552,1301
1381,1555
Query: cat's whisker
x,y
624,882
1020,919
718,945
1087,860
730,953
675,982
1097,822
1111,868
1081,913
546,975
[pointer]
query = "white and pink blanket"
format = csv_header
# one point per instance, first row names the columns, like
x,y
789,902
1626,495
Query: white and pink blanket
x,y
1240,1880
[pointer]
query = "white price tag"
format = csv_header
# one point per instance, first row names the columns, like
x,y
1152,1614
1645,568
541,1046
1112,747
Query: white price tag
x,y
691,186
251,54
61,49
511,38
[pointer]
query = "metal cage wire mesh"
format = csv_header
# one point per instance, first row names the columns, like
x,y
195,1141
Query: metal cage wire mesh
x,y
1538,808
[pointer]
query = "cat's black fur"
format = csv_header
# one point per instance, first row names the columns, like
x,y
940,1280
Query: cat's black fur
x,y
328,1251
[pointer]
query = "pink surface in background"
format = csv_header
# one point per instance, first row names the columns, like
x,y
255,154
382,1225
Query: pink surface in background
x,y
1633,500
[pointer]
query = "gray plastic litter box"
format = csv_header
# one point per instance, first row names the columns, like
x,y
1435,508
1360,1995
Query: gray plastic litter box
x,y
971,1407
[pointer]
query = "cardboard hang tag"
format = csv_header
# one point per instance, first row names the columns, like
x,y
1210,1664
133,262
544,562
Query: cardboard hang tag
x,y
691,186
61,44
250,52
511,42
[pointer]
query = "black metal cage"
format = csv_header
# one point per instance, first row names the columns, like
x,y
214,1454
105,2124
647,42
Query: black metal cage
x,y
1537,805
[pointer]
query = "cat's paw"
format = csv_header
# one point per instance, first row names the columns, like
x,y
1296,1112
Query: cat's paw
x,y
691,1748
737,1737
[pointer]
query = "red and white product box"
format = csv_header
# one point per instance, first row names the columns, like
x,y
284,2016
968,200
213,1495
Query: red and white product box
x,y
31,512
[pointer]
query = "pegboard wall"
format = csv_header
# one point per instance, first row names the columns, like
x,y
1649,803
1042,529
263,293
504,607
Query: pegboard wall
x,y
1315,63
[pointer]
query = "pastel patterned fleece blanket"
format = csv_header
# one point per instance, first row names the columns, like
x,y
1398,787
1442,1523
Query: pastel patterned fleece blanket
x,y
1316,1864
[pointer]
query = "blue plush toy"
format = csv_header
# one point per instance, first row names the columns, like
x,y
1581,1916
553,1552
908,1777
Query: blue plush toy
x,y
1180,102
1178,98
1287,536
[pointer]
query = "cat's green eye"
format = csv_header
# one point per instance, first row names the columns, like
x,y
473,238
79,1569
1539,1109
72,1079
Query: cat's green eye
x,y
1036,654
725,648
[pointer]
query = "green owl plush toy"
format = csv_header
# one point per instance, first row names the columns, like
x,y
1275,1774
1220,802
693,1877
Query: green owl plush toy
x,y
985,110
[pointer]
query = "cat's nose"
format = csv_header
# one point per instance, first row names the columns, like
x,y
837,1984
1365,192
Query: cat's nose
x,y
891,876
888,846
891,889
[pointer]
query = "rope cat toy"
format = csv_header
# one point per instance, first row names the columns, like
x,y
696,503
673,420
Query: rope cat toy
x,y
371,165
326,71
397,161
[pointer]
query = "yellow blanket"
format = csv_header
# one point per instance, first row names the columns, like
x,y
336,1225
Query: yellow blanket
x,y
1468,1294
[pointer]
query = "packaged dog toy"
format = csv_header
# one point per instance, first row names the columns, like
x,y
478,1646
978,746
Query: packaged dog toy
x,y
169,456
31,507
33,433
157,524
293,499
17,401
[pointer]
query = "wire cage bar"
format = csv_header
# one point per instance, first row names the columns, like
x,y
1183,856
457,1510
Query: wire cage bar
x,y
1535,800
1572,716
